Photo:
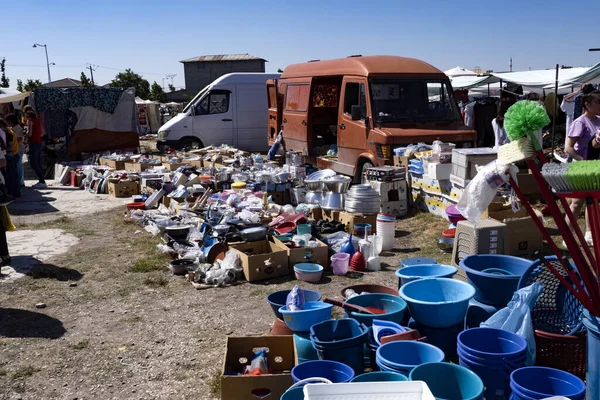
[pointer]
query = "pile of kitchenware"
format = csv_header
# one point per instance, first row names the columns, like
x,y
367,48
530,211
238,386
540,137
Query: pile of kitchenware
x,y
363,199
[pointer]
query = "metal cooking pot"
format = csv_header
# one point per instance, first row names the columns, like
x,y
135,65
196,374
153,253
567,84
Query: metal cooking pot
x,y
314,197
333,201
338,184
314,185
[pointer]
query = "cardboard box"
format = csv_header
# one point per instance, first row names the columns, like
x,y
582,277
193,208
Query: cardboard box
x,y
262,260
123,189
318,255
395,208
523,238
528,184
402,161
281,198
173,167
349,219
282,358
439,171
329,215
138,167
118,165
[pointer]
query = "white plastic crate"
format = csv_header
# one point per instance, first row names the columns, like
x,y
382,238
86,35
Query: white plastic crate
x,y
416,390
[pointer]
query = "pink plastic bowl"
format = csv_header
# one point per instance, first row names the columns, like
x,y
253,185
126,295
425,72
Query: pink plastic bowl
x,y
308,272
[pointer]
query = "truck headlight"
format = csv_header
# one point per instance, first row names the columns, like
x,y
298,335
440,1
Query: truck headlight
x,y
163,134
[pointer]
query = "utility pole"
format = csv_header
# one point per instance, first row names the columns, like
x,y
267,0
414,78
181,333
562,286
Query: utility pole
x,y
163,85
171,77
510,67
92,68
47,62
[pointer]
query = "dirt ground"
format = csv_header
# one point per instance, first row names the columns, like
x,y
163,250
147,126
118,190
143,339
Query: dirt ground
x,y
118,324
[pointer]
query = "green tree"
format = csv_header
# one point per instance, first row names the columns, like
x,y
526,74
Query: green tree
x,y
31,84
157,93
85,81
171,88
279,70
20,85
4,81
129,79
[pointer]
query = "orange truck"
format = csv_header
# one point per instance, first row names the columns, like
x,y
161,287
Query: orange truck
x,y
367,106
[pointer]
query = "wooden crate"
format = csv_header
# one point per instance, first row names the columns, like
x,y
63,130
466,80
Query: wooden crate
x,y
349,219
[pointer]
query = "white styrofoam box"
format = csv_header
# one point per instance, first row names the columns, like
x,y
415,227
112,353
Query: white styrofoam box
x,y
395,208
459,182
390,191
439,171
409,390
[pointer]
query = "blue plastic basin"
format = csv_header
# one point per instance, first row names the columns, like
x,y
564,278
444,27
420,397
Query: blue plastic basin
x,y
312,313
449,381
412,273
403,356
543,382
494,287
491,343
393,306
437,302
277,299
335,371
380,376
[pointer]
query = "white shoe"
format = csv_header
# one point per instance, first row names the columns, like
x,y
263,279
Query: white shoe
x,y
39,185
589,239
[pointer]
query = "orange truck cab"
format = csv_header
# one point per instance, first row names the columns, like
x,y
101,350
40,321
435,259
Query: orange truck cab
x,y
366,106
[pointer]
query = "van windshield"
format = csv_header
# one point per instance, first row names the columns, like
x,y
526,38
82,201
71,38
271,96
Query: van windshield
x,y
195,99
412,100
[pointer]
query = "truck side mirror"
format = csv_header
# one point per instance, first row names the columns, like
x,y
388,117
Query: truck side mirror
x,y
355,112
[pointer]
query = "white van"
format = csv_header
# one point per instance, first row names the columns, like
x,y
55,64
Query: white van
x,y
232,110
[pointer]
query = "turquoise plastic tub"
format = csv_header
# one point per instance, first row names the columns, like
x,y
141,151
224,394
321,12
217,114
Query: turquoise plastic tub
x,y
412,273
437,302
380,376
301,320
449,381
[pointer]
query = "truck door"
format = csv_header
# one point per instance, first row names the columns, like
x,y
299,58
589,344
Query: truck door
x,y
274,105
352,134
213,118
295,116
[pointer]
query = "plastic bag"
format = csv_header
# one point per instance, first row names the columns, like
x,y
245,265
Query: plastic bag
x,y
259,364
295,299
153,229
480,192
516,317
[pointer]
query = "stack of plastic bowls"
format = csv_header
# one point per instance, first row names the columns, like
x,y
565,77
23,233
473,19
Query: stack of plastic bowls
x,y
535,383
492,354
341,340
386,229
495,277
437,302
449,381
403,356
304,348
278,299
393,307
380,376
409,274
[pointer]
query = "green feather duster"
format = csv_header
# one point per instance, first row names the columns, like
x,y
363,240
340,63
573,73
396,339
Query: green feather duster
x,y
524,118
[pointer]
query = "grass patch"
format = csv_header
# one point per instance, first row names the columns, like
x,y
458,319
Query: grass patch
x,y
24,371
82,344
214,381
156,280
148,265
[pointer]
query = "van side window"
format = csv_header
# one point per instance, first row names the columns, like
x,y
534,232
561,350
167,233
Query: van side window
x,y
355,96
214,103
296,98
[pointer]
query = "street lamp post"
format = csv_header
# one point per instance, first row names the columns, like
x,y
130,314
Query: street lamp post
x,y
47,62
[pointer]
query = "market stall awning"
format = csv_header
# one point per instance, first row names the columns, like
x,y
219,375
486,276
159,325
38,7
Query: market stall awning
x,y
468,82
5,98
546,77
459,71
567,79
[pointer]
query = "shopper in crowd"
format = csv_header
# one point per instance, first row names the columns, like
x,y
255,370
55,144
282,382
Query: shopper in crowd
x,y
581,144
498,125
13,122
4,219
12,153
35,132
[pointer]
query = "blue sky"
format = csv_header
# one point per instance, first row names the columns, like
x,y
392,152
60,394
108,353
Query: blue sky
x,y
151,37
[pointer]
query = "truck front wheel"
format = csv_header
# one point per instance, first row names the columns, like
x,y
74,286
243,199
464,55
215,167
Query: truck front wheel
x,y
360,170
190,144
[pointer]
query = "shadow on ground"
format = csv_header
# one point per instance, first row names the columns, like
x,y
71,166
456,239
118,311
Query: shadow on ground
x,y
15,323
32,202
30,265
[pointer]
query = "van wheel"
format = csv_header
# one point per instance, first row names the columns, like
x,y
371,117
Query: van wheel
x,y
361,170
190,144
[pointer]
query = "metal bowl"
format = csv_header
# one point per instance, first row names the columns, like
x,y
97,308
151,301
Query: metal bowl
x,y
333,201
324,173
314,185
338,183
445,244
314,197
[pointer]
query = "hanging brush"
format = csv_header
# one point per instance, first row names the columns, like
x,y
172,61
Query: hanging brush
x,y
556,176
523,119
518,150
580,176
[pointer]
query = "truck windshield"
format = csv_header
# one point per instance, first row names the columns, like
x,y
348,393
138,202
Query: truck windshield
x,y
195,99
412,100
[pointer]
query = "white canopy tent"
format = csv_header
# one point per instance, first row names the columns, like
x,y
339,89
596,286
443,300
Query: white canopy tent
x,y
8,95
459,71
